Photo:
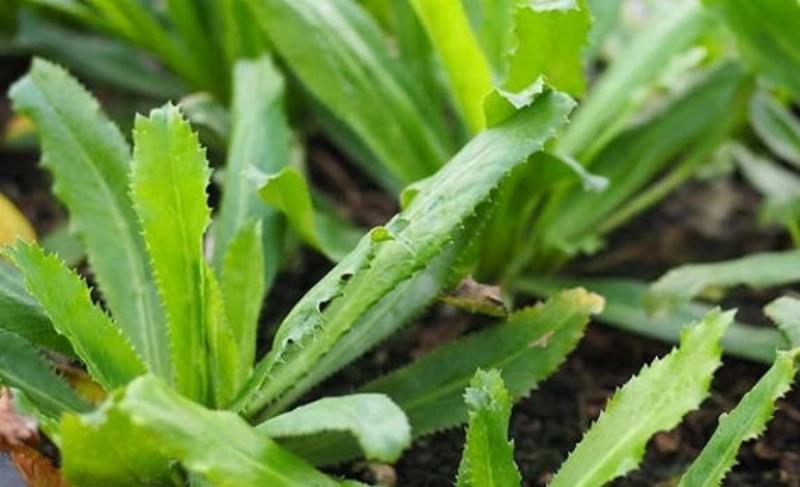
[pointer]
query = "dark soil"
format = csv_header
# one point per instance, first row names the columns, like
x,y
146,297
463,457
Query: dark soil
x,y
706,221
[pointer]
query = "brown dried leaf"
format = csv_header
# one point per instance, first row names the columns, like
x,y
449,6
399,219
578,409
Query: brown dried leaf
x,y
15,429
36,469
474,297
20,439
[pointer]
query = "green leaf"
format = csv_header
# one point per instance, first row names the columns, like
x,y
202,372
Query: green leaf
x,y
518,202
137,23
338,233
677,138
780,186
21,314
405,302
66,245
288,192
527,348
340,55
776,126
168,185
65,298
624,310
756,270
192,22
745,422
488,458
767,34
653,401
240,36
243,292
640,63
417,55
101,59
23,367
209,118
216,445
226,372
260,139
89,160
104,448
785,312
377,424
467,68
355,149
72,8
605,18
492,21
407,244
550,39
8,17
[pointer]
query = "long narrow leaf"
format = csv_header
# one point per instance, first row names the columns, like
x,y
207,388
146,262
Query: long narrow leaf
x,y
340,55
492,21
21,314
785,312
488,458
226,373
653,401
689,121
776,126
243,291
260,139
403,303
168,185
645,57
392,254
746,421
24,368
779,185
466,66
288,192
132,20
89,160
625,310
102,59
192,21
65,298
73,8
756,270
526,349
240,37
416,53
216,445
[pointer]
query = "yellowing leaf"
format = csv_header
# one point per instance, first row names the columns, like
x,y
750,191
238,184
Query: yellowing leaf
x,y
13,224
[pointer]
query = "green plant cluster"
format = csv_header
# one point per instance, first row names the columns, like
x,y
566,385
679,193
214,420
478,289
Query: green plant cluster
x,y
516,136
